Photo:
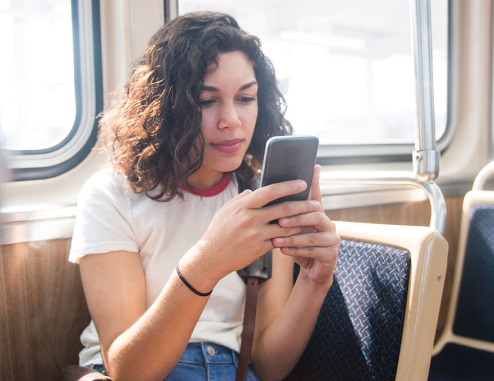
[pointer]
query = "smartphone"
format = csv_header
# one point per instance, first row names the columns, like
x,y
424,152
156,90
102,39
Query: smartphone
x,y
289,158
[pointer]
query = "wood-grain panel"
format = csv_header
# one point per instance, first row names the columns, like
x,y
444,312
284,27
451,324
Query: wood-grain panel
x,y
6,356
44,309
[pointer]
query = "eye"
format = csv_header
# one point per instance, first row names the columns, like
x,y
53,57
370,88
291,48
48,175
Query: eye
x,y
246,99
207,102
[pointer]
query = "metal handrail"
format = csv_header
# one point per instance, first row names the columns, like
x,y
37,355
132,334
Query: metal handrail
x,y
434,194
482,177
426,159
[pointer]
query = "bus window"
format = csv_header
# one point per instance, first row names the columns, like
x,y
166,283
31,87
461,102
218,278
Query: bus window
x,y
345,67
37,97
49,96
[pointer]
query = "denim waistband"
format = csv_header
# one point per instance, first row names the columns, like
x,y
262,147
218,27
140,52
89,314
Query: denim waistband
x,y
209,353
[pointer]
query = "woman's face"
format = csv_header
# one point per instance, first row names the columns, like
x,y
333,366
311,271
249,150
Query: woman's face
x,y
229,113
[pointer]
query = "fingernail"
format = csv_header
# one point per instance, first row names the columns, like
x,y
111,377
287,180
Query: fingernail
x,y
278,241
316,204
285,220
301,184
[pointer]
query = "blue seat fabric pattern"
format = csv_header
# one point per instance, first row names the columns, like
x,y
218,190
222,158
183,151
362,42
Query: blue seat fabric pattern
x,y
457,362
359,329
475,309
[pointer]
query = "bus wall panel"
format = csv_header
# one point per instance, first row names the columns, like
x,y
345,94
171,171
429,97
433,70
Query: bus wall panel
x,y
43,310
6,356
418,214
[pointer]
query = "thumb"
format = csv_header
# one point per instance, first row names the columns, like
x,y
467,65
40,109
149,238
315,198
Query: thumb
x,y
315,189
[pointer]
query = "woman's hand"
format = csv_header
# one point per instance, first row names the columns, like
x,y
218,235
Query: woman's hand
x,y
241,232
315,251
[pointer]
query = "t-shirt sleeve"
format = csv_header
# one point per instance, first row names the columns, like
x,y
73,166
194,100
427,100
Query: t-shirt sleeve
x,y
103,220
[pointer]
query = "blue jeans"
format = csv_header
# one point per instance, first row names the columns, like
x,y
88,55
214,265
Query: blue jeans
x,y
205,362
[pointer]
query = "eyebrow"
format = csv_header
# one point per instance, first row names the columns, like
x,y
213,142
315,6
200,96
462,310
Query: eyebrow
x,y
215,89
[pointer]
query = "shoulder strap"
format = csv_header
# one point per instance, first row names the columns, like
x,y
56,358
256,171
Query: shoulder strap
x,y
248,330
253,274
243,184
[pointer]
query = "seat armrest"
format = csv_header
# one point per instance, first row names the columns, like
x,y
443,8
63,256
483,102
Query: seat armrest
x,y
79,373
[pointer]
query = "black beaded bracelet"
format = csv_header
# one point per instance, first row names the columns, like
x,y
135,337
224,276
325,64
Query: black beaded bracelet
x,y
189,286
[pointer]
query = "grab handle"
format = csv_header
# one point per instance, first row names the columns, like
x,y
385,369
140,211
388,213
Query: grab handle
x,y
482,177
434,194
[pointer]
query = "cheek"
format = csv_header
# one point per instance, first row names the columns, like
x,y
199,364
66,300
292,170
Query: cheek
x,y
207,122
250,120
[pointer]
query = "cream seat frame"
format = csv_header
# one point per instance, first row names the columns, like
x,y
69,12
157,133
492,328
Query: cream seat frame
x,y
476,197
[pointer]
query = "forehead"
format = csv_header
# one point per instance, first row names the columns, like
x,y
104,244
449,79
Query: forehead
x,y
231,66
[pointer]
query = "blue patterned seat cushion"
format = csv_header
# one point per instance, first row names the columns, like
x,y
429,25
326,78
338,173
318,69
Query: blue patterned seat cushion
x,y
358,333
475,309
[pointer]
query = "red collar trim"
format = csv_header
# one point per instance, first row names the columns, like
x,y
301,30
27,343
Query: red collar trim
x,y
214,191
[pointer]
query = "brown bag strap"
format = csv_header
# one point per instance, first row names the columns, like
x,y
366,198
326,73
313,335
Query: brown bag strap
x,y
248,331
78,373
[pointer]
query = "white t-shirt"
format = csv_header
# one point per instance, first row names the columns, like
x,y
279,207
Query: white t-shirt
x,y
111,217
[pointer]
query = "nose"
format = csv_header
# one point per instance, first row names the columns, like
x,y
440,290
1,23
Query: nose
x,y
228,117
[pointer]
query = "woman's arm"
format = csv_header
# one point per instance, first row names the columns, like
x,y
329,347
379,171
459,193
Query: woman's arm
x,y
145,345
286,316
137,344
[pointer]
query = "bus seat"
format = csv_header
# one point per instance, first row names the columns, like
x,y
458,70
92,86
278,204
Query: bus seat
x,y
465,349
379,318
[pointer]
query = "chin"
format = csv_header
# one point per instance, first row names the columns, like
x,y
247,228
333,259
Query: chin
x,y
231,165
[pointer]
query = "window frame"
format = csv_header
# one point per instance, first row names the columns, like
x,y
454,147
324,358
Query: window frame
x,y
73,149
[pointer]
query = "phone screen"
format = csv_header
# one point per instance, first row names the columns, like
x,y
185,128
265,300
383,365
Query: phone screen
x,y
289,158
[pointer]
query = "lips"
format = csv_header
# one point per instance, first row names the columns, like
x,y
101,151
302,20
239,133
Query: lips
x,y
228,146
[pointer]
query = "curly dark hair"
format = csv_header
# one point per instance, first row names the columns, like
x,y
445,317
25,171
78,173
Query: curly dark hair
x,y
153,130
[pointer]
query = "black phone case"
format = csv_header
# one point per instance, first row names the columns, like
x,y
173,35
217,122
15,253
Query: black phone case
x,y
290,158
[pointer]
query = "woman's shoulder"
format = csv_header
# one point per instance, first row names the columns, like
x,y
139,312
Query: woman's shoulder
x,y
107,183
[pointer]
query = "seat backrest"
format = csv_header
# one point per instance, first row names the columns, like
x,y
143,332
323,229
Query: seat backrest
x,y
470,320
379,317
475,302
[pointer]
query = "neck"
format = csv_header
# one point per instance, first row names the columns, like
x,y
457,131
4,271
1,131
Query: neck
x,y
205,181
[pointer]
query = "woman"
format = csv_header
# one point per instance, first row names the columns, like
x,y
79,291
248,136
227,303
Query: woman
x,y
196,114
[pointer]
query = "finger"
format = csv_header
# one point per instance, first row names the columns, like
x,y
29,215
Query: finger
x,y
274,230
240,196
289,208
321,239
317,219
265,195
317,253
268,246
315,188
